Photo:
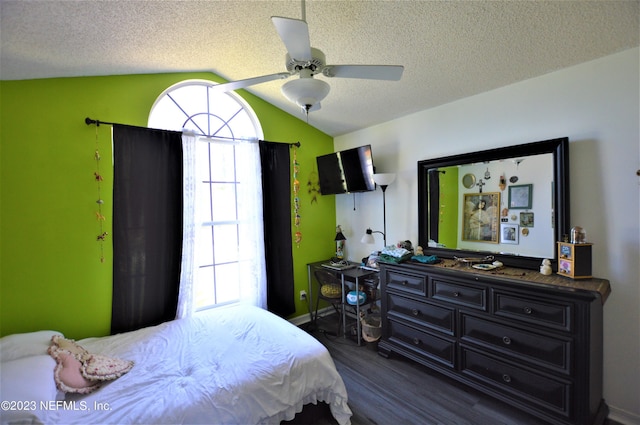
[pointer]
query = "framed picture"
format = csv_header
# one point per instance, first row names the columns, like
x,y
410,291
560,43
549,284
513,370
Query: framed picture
x,y
526,219
520,196
509,233
481,217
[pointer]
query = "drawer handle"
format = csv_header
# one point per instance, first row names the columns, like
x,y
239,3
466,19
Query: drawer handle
x,y
506,378
506,340
528,310
416,341
456,294
415,312
404,283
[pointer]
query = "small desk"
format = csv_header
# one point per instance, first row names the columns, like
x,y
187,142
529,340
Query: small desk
x,y
353,274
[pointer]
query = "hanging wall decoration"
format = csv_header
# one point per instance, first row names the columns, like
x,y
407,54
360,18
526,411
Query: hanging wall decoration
x,y
313,186
296,197
520,196
503,182
99,215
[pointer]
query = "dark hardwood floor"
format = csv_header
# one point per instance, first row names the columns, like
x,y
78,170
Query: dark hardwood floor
x,y
398,391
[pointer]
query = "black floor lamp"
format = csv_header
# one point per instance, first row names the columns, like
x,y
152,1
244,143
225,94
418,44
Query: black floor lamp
x,y
383,180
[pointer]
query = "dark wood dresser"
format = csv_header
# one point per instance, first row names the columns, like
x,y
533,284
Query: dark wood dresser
x,y
530,340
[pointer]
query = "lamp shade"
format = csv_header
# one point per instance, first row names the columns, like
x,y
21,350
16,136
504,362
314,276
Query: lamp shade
x,y
305,92
368,237
384,179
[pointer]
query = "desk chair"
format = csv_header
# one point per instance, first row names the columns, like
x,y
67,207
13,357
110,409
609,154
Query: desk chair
x,y
330,290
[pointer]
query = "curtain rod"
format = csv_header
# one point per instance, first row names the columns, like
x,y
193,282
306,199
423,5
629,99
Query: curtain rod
x,y
90,121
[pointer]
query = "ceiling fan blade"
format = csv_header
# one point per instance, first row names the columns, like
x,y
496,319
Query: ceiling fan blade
x,y
294,33
240,84
370,72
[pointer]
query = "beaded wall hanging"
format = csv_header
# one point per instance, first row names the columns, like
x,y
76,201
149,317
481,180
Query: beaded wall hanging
x,y
99,215
296,197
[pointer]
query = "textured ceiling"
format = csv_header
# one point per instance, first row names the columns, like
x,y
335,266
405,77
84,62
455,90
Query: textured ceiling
x,y
450,49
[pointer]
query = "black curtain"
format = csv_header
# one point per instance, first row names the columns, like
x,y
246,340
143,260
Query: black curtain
x,y
147,226
434,204
276,199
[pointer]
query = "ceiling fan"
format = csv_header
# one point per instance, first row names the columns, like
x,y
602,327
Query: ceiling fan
x,y
306,62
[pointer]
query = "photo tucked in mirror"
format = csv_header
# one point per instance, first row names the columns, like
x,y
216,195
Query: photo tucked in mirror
x,y
510,202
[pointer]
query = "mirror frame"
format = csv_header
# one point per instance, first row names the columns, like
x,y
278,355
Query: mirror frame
x,y
560,150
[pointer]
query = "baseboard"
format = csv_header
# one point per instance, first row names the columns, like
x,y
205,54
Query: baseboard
x,y
306,318
623,417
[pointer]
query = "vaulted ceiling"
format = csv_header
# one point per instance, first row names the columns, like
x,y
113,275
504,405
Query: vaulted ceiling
x,y
450,49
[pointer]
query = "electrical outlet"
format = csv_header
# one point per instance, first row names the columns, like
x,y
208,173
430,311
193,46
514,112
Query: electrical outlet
x,y
303,295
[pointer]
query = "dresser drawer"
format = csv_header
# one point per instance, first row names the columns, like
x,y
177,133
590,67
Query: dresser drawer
x,y
459,294
550,314
551,394
421,313
422,343
406,282
539,349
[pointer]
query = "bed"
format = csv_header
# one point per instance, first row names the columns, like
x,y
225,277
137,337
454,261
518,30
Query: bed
x,y
228,365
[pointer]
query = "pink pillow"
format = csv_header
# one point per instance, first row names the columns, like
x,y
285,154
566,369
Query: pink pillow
x,y
68,375
104,368
78,371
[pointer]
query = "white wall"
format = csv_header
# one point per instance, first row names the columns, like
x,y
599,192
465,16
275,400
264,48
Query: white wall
x,y
596,105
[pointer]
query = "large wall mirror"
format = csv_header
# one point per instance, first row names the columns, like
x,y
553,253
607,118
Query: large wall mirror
x,y
511,203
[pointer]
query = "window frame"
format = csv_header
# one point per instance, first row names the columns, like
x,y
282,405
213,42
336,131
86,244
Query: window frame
x,y
192,121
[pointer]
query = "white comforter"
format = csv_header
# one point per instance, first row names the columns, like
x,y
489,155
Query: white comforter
x,y
229,365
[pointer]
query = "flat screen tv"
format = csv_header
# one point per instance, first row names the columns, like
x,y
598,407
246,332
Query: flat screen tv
x,y
347,171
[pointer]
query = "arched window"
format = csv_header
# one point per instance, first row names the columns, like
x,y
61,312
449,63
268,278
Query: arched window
x,y
224,170
193,105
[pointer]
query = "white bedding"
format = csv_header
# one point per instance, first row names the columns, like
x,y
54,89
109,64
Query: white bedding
x,y
229,365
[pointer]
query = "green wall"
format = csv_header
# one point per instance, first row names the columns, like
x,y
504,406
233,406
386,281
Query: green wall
x,y
51,276
448,226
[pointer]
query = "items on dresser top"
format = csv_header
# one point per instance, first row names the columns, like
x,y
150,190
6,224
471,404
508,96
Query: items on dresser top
x,y
574,260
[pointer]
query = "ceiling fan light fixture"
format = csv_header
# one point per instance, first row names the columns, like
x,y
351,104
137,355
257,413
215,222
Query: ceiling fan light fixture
x,y
305,92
